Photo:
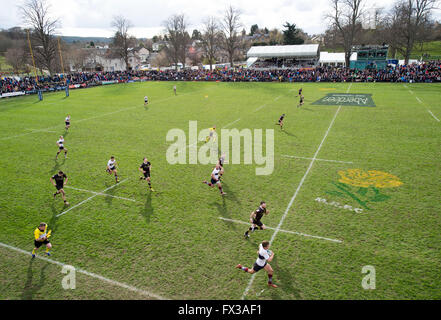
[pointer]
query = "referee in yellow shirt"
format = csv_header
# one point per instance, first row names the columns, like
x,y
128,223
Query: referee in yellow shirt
x,y
41,236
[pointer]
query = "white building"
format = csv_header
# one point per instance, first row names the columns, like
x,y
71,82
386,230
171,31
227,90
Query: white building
x,y
283,57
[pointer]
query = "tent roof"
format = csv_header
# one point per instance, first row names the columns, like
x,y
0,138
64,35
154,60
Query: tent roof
x,y
301,50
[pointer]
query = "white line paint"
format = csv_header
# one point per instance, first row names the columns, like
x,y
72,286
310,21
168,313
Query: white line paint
x,y
277,98
95,117
261,107
90,198
286,231
284,155
297,191
231,123
87,273
421,102
433,115
100,194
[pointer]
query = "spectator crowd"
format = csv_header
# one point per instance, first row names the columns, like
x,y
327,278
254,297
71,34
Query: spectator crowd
x,y
426,72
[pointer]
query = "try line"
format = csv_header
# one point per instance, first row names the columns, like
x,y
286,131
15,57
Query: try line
x,y
87,273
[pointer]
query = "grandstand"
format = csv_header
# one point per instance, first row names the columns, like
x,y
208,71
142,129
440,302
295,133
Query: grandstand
x,y
283,57
370,57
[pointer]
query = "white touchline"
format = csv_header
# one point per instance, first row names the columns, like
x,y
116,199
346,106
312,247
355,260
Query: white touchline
x,y
90,274
90,198
284,155
101,194
277,98
286,231
297,191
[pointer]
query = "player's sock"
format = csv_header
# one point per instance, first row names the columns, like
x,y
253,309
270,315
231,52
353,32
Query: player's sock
x,y
47,250
245,269
220,189
270,278
33,251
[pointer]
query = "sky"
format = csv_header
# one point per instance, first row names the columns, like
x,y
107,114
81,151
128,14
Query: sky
x,y
93,17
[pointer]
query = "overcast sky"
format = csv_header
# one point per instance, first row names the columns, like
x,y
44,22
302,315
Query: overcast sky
x,y
93,17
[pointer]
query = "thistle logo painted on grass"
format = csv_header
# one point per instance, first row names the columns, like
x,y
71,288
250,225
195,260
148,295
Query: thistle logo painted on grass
x,y
346,99
208,153
364,186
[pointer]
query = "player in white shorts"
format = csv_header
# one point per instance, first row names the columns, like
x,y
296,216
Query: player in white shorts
x,y
264,256
174,89
215,178
67,122
60,144
111,168
146,100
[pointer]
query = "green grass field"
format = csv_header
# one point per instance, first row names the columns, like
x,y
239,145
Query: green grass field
x,y
172,243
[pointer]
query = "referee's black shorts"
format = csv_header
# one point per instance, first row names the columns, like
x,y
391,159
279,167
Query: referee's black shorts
x,y
38,244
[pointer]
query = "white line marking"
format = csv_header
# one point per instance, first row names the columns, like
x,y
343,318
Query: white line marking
x,y
100,194
297,191
261,107
277,98
90,198
286,231
98,116
231,123
421,102
433,115
284,155
90,274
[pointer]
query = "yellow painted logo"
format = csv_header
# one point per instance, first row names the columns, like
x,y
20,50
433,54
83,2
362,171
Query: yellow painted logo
x,y
371,178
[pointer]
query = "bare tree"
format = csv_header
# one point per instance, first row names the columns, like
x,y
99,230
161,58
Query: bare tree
x,y
407,24
345,20
211,39
36,15
230,26
178,38
16,57
122,40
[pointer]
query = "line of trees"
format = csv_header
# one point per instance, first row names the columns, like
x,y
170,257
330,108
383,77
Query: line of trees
x,y
403,26
406,24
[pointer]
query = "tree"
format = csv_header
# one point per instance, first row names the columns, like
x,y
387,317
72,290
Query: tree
x,y
211,38
196,35
254,28
35,14
291,34
345,19
122,41
178,38
408,23
230,26
16,57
